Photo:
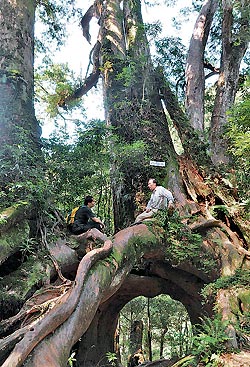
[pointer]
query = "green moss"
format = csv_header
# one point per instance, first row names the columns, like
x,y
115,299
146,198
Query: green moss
x,y
13,239
14,213
17,287
239,278
182,244
245,299
116,255
134,250
10,76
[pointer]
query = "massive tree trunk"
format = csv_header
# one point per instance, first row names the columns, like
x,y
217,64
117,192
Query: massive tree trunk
x,y
133,108
20,133
88,308
80,308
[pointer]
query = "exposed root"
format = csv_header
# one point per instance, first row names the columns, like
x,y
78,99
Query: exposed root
x,y
32,305
212,222
63,308
53,259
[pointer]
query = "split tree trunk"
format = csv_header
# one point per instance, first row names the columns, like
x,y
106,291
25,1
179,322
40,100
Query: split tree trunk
x,y
134,110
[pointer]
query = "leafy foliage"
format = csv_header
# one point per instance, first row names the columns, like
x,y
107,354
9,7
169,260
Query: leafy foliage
x,y
171,54
20,167
72,359
80,168
129,156
54,84
111,357
182,244
29,247
210,340
54,15
239,134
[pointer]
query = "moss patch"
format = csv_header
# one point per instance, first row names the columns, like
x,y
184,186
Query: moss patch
x,y
239,279
15,238
16,288
13,214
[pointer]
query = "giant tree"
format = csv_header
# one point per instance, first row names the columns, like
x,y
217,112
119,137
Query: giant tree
x,y
205,240
20,133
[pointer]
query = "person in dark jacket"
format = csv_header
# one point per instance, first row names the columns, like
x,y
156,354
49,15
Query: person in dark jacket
x,y
85,219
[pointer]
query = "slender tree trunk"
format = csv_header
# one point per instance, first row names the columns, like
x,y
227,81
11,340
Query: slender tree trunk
x,y
162,341
135,346
234,46
149,331
195,76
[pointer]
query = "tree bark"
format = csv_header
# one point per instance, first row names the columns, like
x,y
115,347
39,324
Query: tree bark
x,y
234,46
162,341
131,87
195,76
20,133
105,280
135,349
149,331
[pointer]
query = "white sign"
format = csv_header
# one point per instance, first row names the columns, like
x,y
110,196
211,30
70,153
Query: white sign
x,y
157,163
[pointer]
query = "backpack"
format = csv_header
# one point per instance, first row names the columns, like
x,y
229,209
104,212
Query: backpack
x,y
71,217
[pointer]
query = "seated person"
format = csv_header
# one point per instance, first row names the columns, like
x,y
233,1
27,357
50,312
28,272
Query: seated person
x,y
85,219
161,198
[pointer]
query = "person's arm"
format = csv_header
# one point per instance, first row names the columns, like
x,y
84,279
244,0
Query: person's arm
x,y
168,194
97,220
148,207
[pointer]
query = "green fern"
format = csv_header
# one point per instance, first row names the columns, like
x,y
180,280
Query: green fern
x,y
209,342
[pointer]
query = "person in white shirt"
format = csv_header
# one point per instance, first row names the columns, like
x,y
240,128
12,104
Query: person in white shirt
x,y
161,198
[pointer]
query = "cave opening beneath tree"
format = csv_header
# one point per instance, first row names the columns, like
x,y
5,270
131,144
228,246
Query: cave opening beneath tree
x,y
133,330
153,278
152,329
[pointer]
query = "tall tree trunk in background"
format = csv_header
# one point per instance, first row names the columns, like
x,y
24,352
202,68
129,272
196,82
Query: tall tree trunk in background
x,y
19,139
162,341
234,46
135,344
149,331
195,76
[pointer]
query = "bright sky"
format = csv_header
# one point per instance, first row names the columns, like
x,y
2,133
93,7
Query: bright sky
x,y
76,50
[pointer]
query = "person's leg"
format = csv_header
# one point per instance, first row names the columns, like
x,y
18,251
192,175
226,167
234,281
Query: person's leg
x,y
96,225
144,215
78,228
